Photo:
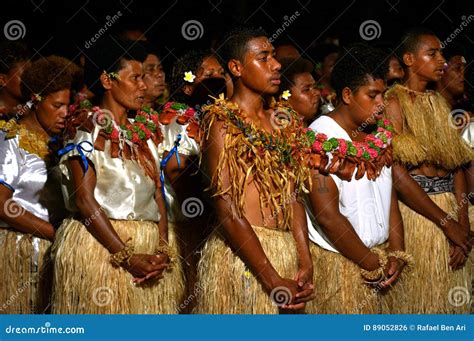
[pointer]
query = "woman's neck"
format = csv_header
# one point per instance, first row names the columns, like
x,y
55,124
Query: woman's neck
x,y
31,122
118,111
342,117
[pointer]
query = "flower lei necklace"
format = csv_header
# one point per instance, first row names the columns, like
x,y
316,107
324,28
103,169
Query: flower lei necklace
x,y
373,146
276,142
144,126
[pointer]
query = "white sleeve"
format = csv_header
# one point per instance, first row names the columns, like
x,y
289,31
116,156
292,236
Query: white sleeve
x,y
10,161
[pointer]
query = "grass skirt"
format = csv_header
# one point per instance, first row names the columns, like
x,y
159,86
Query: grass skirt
x,y
85,282
189,244
226,286
432,287
26,271
339,287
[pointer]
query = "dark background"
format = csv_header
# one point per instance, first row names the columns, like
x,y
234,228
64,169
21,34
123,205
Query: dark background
x,y
63,27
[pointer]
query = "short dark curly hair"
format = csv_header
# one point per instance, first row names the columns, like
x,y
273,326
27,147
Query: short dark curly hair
x,y
49,75
235,43
12,52
290,68
355,64
109,54
410,40
190,61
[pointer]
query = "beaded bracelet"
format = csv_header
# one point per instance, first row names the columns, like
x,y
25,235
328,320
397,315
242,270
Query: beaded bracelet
x,y
378,274
123,256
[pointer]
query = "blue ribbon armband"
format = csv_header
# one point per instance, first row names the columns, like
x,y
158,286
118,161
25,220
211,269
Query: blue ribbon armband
x,y
80,149
7,185
164,162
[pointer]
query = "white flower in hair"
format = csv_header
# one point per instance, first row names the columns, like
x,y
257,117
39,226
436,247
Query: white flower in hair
x,y
189,77
286,94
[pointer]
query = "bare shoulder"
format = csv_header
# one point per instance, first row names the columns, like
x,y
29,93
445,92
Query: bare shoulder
x,y
394,112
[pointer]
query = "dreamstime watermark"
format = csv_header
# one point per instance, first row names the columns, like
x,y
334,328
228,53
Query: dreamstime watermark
x,y
12,209
289,201
457,31
370,30
24,286
453,214
103,296
14,30
369,298
19,111
192,30
192,207
191,297
93,217
288,21
281,296
459,119
280,119
368,121
46,329
110,21
459,296
369,207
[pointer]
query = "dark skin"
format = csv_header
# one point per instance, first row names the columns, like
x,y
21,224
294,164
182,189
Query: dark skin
x,y
257,76
395,70
305,96
185,183
10,93
120,95
325,72
47,118
210,68
154,79
423,66
451,85
356,107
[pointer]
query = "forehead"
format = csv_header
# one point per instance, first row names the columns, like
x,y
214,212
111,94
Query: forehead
x,y
426,42
457,60
151,59
60,95
210,61
372,84
394,60
257,45
20,66
304,78
131,66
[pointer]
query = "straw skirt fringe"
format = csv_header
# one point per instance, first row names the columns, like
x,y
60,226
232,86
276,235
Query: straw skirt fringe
x,y
25,269
226,286
339,287
85,282
432,287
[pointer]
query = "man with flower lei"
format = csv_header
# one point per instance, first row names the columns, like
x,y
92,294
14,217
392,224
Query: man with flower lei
x,y
257,258
352,199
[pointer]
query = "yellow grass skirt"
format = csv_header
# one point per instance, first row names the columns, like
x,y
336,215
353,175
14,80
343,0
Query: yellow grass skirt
x,y
432,287
226,286
339,287
85,282
25,269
